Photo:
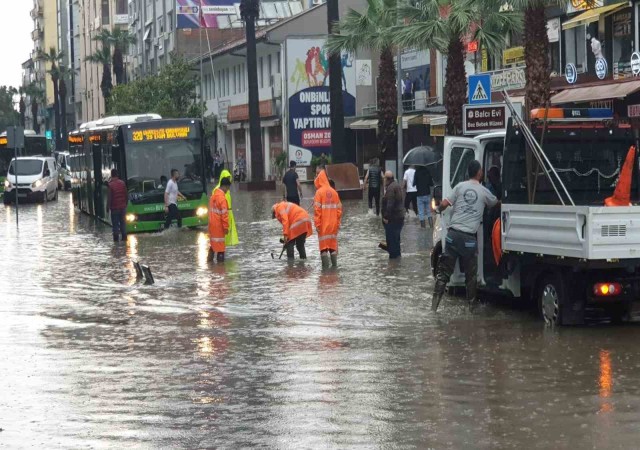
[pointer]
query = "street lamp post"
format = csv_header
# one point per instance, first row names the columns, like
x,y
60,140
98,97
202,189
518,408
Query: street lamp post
x,y
250,11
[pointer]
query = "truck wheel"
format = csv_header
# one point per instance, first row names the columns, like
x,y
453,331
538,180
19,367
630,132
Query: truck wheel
x,y
551,296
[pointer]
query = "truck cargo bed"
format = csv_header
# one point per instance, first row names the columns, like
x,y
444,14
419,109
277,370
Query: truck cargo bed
x,y
584,232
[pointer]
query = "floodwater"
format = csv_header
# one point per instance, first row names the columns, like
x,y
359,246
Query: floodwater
x,y
260,352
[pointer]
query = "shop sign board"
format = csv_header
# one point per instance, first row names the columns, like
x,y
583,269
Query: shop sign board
x,y
633,111
635,63
553,30
309,103
513,55
486,118
601,68
571,73
508,79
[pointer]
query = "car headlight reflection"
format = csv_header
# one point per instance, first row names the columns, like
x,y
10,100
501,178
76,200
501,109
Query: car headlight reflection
x,y
202,211
131,218
36,184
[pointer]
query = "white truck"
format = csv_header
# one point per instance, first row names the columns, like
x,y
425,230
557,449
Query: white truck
x,y
574,261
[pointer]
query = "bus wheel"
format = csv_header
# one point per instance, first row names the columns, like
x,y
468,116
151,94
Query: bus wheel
x,y
551,296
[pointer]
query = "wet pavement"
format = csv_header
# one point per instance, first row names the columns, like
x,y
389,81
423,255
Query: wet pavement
x,y
261,352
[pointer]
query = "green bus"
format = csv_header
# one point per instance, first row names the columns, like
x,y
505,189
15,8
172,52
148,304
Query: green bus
x,y
143,149
34,144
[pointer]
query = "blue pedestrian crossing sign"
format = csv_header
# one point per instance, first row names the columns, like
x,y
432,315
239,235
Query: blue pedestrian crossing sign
x,y
479,89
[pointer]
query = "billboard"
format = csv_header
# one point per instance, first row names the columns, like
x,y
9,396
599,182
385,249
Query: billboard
x,y
187,14
202,13
211,9
309,112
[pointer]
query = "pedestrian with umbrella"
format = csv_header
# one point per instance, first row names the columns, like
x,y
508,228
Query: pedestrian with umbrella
x,y
425,159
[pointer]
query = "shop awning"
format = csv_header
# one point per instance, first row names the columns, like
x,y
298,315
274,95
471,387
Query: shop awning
x,y
593,15
434,120
365,124
269,123
594,93
411,120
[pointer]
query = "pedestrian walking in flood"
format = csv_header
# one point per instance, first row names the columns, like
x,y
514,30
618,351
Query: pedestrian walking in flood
x,y
291,188
117,201
218,220
468,200
411,197
392,214
171,197
424,184
231,239
373,183
296,227
327,219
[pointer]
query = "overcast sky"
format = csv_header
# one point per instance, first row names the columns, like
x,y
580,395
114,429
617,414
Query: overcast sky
x,y
15,40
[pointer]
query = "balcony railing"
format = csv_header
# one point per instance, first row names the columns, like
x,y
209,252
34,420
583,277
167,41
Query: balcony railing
x,y
38,9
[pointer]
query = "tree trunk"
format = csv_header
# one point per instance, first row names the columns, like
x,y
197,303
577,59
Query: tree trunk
x,y
255,133
34,113
118,66
387,103
62,92
56,113
536,51
455,87
23,110
338,147
106,85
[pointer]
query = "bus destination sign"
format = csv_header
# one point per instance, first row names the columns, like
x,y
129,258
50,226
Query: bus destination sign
x,y
161,134
76,139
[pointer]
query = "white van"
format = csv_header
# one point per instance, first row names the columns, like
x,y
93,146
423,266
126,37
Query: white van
x,y
64,170
37,180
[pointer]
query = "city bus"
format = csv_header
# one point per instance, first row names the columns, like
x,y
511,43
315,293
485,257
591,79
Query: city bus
x,y
34,144
144,150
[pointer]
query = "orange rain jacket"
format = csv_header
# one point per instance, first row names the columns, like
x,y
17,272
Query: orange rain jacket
x,y
218,220
294,219
328,213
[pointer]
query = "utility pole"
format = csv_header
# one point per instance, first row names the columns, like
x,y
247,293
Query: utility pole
x,y
250,11
335,88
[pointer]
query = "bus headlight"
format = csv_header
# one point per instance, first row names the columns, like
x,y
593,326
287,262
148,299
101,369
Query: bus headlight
x,y
131,218
202,211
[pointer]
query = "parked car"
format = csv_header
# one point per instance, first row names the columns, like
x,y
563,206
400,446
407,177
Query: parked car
x,y
37,180
64,173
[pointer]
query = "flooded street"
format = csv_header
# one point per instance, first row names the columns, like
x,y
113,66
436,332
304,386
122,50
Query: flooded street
x,y
261,352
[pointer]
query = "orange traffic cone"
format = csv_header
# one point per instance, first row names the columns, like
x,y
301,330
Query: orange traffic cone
x,y
622,194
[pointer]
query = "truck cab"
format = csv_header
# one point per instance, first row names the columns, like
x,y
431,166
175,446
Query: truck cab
x,y
573,259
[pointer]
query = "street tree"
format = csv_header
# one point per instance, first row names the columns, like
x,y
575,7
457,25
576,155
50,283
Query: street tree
x,y
172,93
53,57
338,147
64,74
250,12
371,30
446,25
22,106
102,56
36,97
8,115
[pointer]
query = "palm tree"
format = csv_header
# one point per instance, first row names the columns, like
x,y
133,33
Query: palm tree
x,y
103,56
338,147
443,25
372,30
121,40
36,95
54,57
64,74
250,11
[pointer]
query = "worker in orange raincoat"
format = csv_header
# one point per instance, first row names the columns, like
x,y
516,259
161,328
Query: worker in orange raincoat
x,y
218,220
327,219
296,227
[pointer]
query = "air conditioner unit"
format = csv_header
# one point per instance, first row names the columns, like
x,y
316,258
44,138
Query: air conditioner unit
x,y
317,2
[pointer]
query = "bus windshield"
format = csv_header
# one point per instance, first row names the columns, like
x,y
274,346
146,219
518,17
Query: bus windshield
x,y
27,167
149,167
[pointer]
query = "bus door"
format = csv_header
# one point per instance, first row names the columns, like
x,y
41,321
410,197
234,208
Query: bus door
x,y
97,181
458,153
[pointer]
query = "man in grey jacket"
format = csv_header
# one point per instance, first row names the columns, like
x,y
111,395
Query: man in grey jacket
x,y
392,214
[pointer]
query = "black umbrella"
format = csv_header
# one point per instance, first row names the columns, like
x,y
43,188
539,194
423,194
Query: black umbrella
x,y
422,156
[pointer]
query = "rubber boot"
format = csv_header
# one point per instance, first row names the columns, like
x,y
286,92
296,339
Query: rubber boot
x,y
430,222
334,259
326,260
423,224
435,302
220,257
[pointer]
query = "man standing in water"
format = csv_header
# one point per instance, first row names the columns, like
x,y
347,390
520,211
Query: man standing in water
x,y
468,200
327,219
171,197
291,188
392,215
117,200
218,220
372,182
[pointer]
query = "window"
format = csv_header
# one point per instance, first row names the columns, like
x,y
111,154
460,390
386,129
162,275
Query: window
x,y
460,159
575,47
261,73
219,77
622,40
270,70
122,7
554,57
105,12
278,62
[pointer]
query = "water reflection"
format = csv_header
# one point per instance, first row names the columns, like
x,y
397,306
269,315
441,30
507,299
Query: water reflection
x,y
605,381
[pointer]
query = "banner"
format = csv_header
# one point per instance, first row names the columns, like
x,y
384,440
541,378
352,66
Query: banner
x,y
187,14
307,66
211,9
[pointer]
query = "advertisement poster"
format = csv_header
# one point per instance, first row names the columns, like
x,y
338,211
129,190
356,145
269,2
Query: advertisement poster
x,y
309,98
211,9
187,14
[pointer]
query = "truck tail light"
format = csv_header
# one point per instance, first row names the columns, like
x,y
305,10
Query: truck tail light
x,y
607,289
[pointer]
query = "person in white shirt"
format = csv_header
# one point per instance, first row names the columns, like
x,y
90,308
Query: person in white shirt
x,y
171,197
410,189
